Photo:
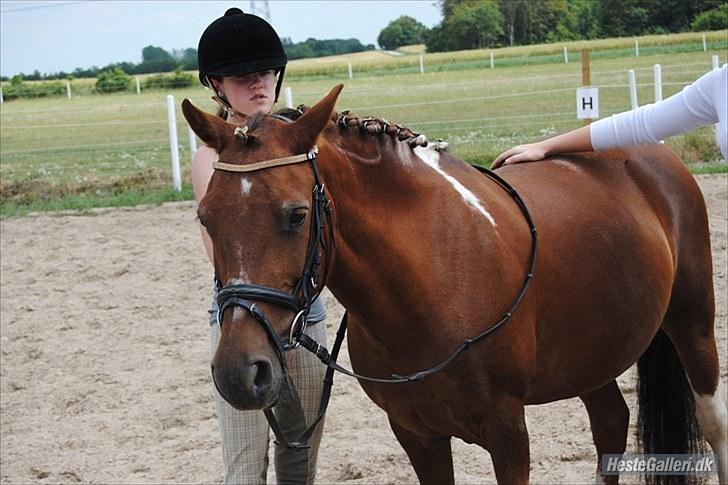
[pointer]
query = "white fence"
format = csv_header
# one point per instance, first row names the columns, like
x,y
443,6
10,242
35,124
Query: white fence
x,y
138,85
156,126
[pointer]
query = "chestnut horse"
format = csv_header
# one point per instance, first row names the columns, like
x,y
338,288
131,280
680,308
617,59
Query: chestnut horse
x,y
424,252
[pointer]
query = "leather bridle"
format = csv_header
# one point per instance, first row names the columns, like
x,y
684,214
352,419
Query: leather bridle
x,y
308,289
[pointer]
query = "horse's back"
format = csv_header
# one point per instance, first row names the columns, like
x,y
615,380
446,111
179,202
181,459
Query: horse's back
x,y
619,231
648,181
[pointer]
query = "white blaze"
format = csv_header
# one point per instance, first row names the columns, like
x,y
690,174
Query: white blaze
x,y
242,274
245,185
432,158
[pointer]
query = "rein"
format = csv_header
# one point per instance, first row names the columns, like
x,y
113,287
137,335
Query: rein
x,y
330,360
308,290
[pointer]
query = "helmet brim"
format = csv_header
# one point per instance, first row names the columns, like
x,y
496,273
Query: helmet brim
x,y
246,67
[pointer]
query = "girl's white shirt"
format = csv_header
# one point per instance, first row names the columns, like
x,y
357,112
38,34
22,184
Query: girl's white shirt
x,y
703,102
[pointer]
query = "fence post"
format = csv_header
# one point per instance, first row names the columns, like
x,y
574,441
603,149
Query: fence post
x,y
585,74
173,145
492,65
351,75
658,82
138,86
193,141
68,89
422,65
705,44
715,61
632,89
566,55
636,48
289,97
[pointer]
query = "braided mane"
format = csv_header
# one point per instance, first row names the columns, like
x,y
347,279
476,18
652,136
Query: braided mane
x,y
370,125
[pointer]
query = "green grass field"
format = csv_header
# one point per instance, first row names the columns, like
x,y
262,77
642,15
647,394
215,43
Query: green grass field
x,y
114,149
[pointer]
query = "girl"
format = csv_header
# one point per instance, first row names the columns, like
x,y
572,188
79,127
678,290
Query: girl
x,y
241,57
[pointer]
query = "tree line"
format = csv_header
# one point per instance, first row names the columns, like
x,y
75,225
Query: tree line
x,y
319,48
154,59
472,24
158,60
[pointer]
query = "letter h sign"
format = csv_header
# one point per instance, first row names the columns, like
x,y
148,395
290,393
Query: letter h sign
x,y
587,103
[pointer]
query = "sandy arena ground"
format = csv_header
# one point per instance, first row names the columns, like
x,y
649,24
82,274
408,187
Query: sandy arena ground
x,y
105,368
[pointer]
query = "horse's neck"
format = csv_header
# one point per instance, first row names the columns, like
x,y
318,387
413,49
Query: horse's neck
x,y
402,216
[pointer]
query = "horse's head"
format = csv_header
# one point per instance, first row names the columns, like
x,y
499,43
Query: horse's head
x,y
265,226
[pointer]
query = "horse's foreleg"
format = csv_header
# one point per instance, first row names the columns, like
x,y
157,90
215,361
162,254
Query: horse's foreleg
x,y
430,457
506,438
609,419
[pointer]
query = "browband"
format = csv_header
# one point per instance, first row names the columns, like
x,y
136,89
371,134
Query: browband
x,y
276,162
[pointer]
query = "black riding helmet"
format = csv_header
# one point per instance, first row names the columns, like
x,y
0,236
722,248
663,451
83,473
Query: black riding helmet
x,y
240,43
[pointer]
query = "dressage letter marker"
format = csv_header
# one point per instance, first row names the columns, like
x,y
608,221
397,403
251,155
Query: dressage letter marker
x,y
587,103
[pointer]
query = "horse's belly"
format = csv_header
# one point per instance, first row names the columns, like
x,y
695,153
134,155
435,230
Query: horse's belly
x,y
609,291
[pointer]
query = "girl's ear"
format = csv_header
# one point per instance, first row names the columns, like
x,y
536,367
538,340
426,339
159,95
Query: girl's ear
x,y
211,129
308,127
215,85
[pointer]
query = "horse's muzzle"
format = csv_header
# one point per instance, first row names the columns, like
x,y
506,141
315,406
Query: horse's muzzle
x,y
247,385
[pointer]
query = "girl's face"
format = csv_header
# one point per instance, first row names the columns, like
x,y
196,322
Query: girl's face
x,y
249,93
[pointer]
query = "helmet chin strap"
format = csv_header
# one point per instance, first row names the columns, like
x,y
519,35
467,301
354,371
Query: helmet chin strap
x,y
281,73
223,103
225,106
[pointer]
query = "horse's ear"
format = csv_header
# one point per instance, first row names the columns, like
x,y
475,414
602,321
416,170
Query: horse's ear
x,y
211,129
312,122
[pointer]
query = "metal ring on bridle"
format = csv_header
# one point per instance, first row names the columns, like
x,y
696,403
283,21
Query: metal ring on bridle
x,y
293,341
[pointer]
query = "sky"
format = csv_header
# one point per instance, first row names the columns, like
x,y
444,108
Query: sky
x,y
60,35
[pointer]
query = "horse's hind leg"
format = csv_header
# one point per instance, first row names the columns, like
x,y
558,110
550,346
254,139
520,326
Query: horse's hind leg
x,y
689,323
609,419
430,457
699,357
713,419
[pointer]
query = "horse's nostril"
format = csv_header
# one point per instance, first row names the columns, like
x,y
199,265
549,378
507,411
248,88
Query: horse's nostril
x,y
262,378
244,386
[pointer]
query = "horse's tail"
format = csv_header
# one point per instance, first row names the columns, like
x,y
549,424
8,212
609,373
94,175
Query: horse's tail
x,y
666,421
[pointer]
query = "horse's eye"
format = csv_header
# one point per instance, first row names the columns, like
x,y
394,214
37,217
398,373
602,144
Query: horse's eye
x,y
298,217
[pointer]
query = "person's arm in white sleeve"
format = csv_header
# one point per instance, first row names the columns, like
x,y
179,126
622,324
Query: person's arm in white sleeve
x,y
701,103
691,108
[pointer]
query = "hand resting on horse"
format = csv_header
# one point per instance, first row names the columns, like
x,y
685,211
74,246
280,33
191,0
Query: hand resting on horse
x,y
703,102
